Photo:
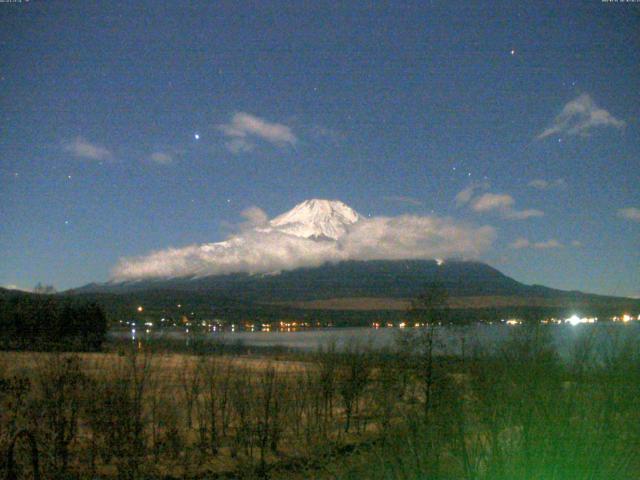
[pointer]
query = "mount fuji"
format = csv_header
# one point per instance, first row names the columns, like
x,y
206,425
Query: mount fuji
x,y
311,234
316,219
322,255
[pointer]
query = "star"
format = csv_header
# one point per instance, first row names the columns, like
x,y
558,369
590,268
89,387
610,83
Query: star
x,y
512,52
66,222
69,177
196,136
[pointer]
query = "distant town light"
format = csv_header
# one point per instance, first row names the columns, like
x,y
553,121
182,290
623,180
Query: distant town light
x,y
140,308
573,320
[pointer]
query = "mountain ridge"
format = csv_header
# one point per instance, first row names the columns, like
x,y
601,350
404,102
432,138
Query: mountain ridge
x,y
351,278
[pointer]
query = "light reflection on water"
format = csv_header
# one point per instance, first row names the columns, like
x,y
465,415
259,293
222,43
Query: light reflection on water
x,y
449,339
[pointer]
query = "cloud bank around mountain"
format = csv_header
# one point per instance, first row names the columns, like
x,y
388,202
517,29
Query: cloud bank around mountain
x,y
257,250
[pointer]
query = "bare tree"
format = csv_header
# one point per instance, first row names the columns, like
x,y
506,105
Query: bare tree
x,y
190,384
430,310
60,383
353,375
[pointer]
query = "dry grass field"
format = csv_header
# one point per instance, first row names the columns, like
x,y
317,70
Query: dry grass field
x,y
515,413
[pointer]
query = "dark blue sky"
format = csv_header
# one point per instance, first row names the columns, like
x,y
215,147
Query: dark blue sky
x,y
391,109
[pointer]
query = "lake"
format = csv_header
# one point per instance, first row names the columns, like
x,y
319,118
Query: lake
x,y
453,340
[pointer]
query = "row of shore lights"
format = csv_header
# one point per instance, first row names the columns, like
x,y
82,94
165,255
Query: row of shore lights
x,y
572,320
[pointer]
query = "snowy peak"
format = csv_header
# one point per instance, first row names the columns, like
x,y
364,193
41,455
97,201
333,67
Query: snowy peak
x,y
316,218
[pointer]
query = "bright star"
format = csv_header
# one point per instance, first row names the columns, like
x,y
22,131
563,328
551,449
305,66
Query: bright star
x,y
196,136
513,52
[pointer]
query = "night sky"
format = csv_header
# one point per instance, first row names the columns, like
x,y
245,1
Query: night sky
x,y
130,127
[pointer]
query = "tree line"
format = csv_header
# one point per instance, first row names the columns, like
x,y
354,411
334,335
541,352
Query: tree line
x,y
45,322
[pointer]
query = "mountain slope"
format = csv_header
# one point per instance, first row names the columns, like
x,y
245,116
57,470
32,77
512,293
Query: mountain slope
x,y
348,294
400,279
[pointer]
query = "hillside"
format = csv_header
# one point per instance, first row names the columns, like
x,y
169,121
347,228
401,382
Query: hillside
x,y
349,290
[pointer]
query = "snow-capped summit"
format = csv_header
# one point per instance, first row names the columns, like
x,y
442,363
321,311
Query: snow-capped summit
x,y
316,218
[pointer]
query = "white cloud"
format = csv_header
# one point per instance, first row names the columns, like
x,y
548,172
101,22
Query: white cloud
x,y
464,196
239,145
542,184
267,250
244,128
504,205
82,148
403,199
161,158
16,287
524,243
523,214
553,243
492,201
413,236
520,243
579,117
256,217
631,213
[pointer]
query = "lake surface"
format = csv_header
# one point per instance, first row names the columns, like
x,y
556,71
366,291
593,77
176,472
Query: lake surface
x,y
449,340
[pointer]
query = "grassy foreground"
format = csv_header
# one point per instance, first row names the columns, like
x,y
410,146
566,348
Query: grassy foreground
x,y
514,413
